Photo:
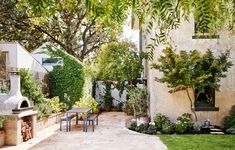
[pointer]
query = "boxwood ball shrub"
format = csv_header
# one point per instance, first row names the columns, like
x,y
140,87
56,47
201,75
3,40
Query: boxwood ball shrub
x,y
184,123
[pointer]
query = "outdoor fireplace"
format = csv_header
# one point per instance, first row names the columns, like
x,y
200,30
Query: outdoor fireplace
x,y
20,124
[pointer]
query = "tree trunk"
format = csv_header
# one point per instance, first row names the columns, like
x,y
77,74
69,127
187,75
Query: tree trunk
x,y
191,105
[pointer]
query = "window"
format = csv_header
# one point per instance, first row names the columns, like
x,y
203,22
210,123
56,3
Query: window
x,y
206,101
52,61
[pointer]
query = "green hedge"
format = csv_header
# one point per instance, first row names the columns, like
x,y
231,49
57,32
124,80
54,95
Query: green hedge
x,y
66,81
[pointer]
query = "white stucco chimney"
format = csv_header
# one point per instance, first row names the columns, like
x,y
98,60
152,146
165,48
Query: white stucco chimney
x,y
15,84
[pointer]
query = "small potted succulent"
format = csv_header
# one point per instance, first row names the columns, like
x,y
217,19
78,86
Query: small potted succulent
x,y
2,131
139,102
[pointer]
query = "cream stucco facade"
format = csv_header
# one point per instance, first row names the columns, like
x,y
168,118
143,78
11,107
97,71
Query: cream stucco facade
x,y
174,105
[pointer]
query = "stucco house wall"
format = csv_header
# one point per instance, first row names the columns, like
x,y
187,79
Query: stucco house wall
x,y
18,57
174,105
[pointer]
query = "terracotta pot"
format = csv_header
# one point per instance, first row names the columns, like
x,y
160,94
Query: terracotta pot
x,y
142,120
2,138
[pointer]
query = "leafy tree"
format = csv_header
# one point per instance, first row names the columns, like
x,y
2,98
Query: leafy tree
x,y
119,61
192,70
29,87
67,24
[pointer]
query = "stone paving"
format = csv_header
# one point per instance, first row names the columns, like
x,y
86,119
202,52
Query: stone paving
x,y
110,134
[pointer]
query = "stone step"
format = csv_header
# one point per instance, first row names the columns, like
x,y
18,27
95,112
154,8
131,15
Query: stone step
x,y
216,132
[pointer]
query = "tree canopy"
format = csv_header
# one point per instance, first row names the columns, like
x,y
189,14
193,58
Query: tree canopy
x,y
119,61
68,24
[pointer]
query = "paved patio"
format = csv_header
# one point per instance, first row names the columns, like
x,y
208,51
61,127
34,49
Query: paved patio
x,y
111,134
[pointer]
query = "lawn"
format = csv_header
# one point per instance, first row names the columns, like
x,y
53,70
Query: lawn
x,y
199,142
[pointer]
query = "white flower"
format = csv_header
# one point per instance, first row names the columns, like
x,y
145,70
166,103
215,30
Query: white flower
x,y
152,123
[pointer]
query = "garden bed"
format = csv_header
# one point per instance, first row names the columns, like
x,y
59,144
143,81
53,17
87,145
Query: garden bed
x,y
47,122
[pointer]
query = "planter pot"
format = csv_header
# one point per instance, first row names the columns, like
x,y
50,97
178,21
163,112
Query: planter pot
x,y
142,120
2,138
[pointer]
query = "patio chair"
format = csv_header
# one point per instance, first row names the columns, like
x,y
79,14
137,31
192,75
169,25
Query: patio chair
x,y
92,119
63,118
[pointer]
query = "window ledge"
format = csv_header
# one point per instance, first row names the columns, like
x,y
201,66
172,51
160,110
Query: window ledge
x,y
205,37
206,108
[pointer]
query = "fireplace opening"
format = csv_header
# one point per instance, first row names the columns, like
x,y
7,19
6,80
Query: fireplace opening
x,y
24,104
26,128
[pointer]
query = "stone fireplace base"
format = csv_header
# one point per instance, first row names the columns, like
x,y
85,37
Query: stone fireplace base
x,y
12,126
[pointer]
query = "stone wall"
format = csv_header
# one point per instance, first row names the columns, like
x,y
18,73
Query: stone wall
x,y
47,122
173,105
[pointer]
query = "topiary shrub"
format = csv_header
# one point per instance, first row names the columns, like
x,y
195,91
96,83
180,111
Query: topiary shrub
x,y
159,120
229,121
184,123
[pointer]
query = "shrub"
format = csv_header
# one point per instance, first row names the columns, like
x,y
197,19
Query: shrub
x,y
184,123
142,128
29,87
128,108
108,99
133,126
159,120
138,101
44,110
54,103
231,130
64,107
90,102
152,129
167,127
229,121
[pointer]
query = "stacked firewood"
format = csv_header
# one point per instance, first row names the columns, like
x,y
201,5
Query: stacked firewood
x,y
26,130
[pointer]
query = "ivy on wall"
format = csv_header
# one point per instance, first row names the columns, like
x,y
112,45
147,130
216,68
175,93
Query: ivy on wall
x,y
66,81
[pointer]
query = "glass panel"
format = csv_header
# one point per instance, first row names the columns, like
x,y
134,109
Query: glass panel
x,y
52,61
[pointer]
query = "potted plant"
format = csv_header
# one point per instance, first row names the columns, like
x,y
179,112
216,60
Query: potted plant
x,y
2,131
139,102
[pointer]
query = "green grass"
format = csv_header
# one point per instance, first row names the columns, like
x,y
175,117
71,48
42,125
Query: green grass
x,y
199,142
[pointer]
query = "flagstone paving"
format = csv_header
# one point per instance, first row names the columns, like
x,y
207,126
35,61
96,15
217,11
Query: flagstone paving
x,y
110,134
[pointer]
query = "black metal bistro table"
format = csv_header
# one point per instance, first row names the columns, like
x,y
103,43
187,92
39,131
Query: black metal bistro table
x,y
78,110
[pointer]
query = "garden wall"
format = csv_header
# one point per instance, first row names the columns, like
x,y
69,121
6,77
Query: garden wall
x,y
173,105
47,122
